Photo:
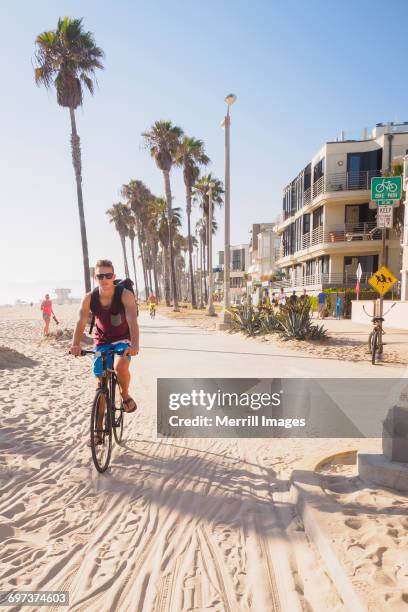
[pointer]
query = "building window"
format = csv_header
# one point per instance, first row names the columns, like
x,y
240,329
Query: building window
x,y
318,170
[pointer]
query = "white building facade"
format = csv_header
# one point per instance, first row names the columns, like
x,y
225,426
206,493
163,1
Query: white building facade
x,y
329,226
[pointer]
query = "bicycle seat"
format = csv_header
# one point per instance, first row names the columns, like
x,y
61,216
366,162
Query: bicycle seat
x,y
375,319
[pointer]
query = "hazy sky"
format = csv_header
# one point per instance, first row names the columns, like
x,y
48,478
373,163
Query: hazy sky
x,y
302,72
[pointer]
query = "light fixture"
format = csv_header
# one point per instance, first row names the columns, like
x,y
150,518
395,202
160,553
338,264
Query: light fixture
x,y
230,99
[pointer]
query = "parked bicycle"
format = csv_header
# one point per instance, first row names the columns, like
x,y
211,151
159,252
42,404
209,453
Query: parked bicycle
x,y
375,342
107,414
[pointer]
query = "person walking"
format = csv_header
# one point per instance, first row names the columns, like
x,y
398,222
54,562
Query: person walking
x,y
47,311
282,298
338,306
321,301
293,299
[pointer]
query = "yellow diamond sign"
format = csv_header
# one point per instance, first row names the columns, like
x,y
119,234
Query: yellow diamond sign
x,y
382,280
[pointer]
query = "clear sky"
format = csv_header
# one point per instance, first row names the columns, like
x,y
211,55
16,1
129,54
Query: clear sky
x,y
302,72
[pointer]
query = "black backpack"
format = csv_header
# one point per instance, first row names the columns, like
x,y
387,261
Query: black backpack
x,y
117,305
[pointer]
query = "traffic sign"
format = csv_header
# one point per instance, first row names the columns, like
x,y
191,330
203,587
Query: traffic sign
x,y
382,280
384,216
386,188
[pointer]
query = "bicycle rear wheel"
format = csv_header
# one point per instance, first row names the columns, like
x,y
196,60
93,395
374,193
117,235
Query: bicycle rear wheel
x,y
374,346
101,431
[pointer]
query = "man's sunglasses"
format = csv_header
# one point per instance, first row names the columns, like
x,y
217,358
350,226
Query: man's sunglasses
x,y
107,275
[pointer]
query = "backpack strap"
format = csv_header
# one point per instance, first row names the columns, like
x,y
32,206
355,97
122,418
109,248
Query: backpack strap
x,y
94,305
117,305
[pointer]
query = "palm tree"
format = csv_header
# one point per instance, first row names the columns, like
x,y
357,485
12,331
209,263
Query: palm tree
x,y
201,195
67,58
202,233
132,235
163,141
119,214
163,234
138,197
191,156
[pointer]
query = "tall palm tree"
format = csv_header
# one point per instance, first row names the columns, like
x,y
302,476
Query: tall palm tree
x,y
138,197
202,233
119,214
191,156
68,58
163,234
132,235
163,141
201,195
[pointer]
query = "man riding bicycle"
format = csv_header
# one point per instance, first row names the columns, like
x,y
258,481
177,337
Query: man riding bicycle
x,y
152,304
116,327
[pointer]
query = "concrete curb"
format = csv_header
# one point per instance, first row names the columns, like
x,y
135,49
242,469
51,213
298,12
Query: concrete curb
x,y
310,502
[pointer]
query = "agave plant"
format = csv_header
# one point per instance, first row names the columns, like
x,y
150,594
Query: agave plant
x,y
296,322
247,320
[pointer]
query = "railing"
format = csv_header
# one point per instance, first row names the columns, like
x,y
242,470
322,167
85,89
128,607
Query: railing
x,y
324,279
346,232
344,181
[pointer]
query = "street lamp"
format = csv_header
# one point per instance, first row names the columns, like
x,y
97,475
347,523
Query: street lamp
x,y
210,310
226,317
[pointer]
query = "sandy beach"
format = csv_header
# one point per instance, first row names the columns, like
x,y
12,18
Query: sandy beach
x,y
175,524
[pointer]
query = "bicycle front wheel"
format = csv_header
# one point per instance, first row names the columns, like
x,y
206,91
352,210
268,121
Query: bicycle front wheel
x,y
374,346
101,431
118,416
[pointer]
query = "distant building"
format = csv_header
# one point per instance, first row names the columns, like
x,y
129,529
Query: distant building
x,y
63,296
239,262
328,225
263,252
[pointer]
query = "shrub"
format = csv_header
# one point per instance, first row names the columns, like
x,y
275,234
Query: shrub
x,y
296,322
246,319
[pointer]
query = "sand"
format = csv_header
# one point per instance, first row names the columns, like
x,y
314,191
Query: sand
x,y
369,528
174,525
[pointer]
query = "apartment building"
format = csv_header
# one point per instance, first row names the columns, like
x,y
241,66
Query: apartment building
x,y
328,225
263,252
239,262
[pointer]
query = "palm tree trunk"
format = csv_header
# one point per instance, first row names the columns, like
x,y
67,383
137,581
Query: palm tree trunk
x,y
122,239
143,261
132,248
190,250
169,217
156,284
166,276
76,161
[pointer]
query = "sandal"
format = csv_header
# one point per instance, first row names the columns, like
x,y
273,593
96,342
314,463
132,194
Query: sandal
x,y
129,405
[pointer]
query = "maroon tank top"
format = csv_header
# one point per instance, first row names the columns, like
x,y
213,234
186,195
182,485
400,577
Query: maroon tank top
x,y
110,325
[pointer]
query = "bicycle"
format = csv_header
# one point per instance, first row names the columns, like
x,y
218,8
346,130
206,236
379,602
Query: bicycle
x,y
375,343
113,414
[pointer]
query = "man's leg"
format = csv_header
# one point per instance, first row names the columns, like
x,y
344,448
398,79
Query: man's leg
x,y
123,374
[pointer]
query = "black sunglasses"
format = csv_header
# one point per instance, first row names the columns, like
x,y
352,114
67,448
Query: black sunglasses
x,y
107,275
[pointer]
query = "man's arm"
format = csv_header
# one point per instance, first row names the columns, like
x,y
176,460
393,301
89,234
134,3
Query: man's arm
x,y
129,302
80,325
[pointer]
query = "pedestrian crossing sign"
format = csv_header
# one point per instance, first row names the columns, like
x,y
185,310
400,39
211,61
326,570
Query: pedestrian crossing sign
x,y
382,280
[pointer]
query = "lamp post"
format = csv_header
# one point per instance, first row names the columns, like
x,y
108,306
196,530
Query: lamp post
x,y
210,309
226,317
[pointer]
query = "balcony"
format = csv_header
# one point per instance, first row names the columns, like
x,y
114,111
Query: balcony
x,y
342,233
344,181
322,280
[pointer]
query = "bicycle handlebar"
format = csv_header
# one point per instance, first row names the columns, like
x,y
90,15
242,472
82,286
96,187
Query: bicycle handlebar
x,y
105,353
384,313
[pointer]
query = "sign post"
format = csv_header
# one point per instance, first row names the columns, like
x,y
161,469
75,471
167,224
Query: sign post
x,y
386,191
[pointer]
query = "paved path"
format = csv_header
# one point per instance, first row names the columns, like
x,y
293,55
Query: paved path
x,y
219,530
170,349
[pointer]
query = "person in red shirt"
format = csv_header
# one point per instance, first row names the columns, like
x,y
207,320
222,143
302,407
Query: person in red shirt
x,y
46,307
112,329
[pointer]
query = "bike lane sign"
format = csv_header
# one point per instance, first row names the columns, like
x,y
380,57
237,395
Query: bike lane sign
x,y
382,280
386,188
